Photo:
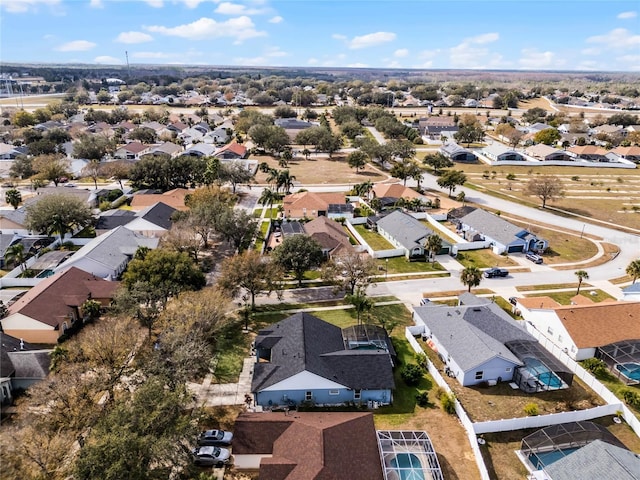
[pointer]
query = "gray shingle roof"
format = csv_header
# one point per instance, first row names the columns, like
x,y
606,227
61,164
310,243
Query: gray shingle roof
x,y
114,218
158,214
408,231
599,460
492,226
303,342
473,334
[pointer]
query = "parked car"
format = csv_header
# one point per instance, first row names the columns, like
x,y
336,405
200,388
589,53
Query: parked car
x,y
496,272
513,300
215,437
210,456
425,301
534,258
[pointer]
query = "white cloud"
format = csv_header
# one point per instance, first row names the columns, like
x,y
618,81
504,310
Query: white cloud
x,y
192,3
591,51
618,38
371,40
240,28
276,19
401,52
627,15
469,55
76,46
533,59
429,53
23,6
358,65
338,36
228,8
393,64
107,60
631,62
312,61
133,37
96,4
148,55
273,52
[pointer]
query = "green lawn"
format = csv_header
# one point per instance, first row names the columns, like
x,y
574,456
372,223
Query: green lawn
x,y
484,258
564,298
402,265
374,240
617,387
264,228
257,213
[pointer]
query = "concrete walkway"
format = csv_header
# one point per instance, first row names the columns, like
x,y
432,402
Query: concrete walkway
x,y
219,394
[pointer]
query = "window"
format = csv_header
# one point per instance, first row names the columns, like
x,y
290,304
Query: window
x,y
334,392
508,369
308,396
550,330
559,338
479,375
357,394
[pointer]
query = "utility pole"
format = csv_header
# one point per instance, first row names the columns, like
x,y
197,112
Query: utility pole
x,y
126,54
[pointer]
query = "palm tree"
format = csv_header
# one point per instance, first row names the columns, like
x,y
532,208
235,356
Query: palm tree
x,y
268,198
633,270
434,245
363,189
15,254
471,277
360,302
285,181
272,178
13,197
306,152
582,275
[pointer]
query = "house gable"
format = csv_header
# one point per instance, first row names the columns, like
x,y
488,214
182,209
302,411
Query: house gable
x,y
302,380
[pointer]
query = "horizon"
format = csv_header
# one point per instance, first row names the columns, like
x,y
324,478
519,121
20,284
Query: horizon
x,y
529,36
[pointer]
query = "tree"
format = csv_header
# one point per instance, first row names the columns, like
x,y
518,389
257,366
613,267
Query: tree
x,y
363,189
451,179
13,197
357,159
238,228
22,168
268,198
285,181
405,169
58,213
548,136
92,170
184,237
298,254
92,147
350,271
633,270
143,135
251,272
15,254
471,277
52,168
582,275
360,302
118,171
546,188
434,245
437,161
469,134
235,173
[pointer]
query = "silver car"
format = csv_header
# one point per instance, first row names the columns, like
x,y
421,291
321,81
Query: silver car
x,y
215,438
209,456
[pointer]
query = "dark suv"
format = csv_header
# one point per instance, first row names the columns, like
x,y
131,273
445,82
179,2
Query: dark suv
x,y
496,272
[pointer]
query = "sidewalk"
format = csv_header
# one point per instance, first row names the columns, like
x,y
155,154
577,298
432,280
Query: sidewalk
x,y
219,394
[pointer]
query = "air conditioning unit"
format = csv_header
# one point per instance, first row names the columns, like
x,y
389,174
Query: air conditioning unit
x,y
492,383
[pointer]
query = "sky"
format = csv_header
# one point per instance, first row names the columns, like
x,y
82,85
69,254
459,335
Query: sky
x,y
600,35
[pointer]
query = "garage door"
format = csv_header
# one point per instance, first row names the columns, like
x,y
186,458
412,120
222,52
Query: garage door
x,y
515,248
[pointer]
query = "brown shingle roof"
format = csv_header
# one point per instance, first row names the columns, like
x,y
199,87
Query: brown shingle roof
x,y
295,204
310,445
395,190
600,324
174,198
50,300
538,303
328,233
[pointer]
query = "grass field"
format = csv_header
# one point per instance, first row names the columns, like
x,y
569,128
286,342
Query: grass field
x,y
564,298
484,259
375,241
402,265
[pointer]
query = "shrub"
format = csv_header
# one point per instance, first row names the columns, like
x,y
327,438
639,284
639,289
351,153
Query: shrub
x,y
575,178
104,205
422,399
631,397
531,409
411,374
448,403
422,360
595,366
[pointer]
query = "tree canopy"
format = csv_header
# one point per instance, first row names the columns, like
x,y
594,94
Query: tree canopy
x,y
297,254
451,179
58,213
546,188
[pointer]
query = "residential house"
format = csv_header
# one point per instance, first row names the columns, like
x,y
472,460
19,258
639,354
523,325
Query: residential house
x,y
631,154
590,153
479,343
497,152
582,330
611,130
390,193
192,135
31,244
217,136
307,445
631,293
435,127
407,233
231,151
21,365
131,151
107,256
166,148
173,198
293,126
456,153
153,221
546,153
329,234
311,204
14,221
54,305
11,152
200,150
304,359
504,236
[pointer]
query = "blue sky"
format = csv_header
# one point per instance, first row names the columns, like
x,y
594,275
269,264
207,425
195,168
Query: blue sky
x,y
505,34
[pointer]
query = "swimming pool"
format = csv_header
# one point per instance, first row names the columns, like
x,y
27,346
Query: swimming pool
x,y
630,370
408,466
542,374
544,459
